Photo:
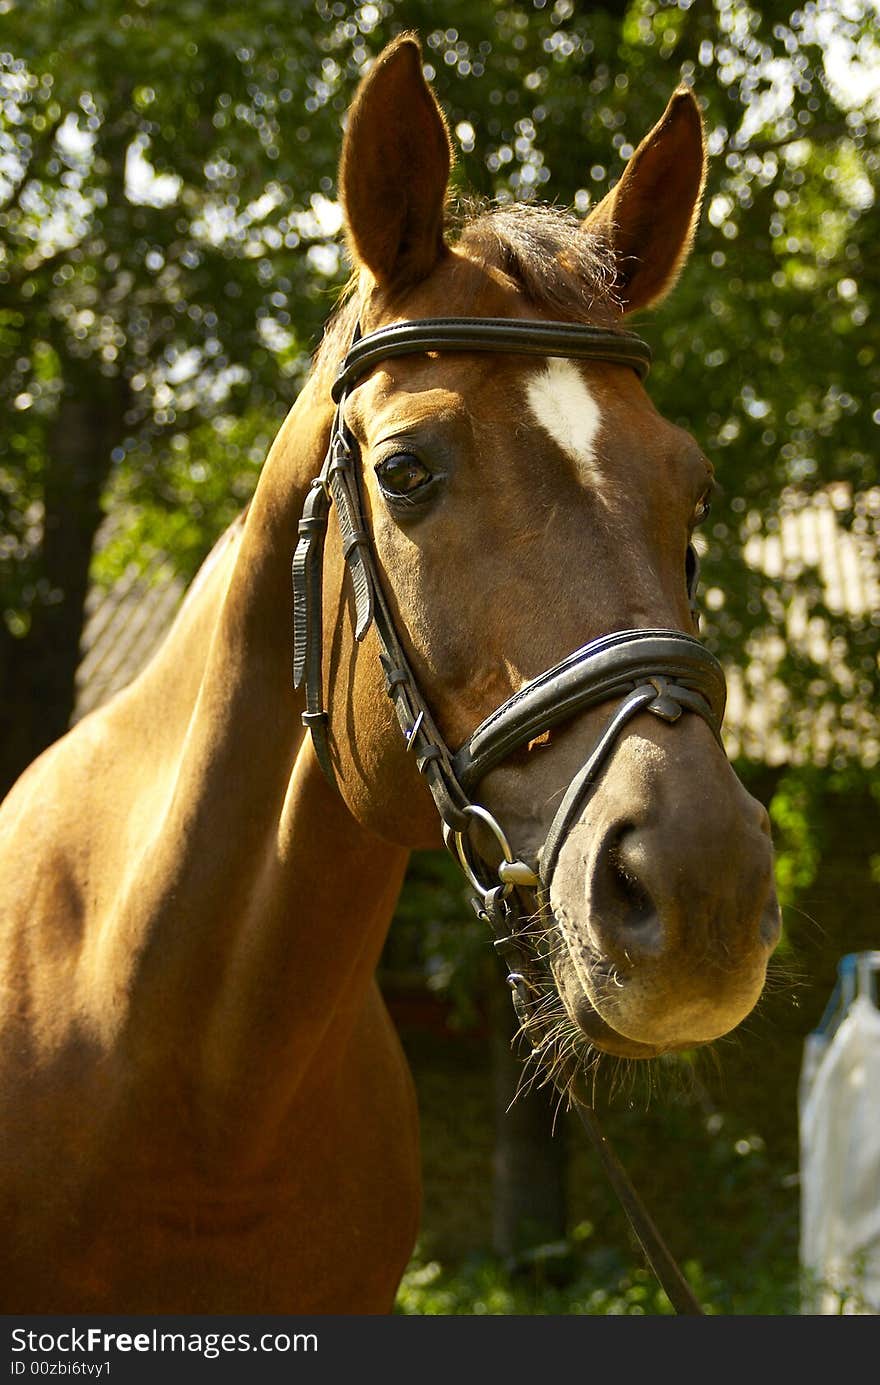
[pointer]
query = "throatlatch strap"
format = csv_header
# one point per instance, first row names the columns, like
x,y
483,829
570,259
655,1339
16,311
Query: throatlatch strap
x,y
355,540
307,584
307,572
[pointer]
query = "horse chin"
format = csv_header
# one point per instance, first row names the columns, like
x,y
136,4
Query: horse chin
x,y
611,1019
582,1006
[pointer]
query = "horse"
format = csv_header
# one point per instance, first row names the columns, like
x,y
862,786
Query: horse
x,y
206,1107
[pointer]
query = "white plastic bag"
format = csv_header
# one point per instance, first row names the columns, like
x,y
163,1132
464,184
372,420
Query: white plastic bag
x,y
839,1120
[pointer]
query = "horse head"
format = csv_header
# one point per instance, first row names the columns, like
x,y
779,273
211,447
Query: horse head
x,y
519,506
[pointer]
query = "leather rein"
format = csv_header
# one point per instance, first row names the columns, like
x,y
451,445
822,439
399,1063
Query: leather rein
x,y
665,672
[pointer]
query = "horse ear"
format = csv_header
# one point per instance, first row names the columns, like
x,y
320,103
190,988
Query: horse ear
x,y
649,218
394,169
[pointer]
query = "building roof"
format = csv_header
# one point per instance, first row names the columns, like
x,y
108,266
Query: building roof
x,y
828,540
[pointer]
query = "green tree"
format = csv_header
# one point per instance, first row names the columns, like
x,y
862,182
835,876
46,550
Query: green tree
x,y
154,242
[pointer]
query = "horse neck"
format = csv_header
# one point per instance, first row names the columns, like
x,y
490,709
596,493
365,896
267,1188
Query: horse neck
x,y
247,934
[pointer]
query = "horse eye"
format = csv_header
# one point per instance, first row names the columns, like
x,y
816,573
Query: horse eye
x,y
402,474
701,513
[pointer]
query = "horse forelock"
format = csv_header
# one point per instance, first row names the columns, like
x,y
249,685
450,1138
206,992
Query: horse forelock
x,y
560,267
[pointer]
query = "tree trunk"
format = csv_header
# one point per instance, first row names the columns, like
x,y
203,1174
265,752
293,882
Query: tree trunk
x,y
529,1162
37,672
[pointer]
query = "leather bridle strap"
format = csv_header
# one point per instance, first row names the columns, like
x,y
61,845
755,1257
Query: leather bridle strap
x,y
608,668
657,1254
497,334
330,486
644,697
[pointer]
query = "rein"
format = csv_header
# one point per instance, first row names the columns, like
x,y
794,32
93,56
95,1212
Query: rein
x,y
665,672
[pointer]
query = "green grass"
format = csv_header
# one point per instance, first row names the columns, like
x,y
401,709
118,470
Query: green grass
x,y
604,1286
484,1286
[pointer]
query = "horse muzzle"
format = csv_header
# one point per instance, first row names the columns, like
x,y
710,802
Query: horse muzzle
x,y
663,901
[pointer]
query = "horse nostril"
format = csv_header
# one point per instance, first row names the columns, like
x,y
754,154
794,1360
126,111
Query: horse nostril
x,y
637,902
626,915
770,927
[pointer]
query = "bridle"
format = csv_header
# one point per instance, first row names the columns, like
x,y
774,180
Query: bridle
x,y
664,672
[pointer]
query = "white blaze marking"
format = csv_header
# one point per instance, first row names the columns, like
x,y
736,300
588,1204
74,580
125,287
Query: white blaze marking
x,y
563,405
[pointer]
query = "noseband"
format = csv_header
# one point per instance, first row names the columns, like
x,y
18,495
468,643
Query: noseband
x,y
665,672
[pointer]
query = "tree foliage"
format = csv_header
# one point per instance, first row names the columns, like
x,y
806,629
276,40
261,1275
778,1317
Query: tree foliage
x,y
169,248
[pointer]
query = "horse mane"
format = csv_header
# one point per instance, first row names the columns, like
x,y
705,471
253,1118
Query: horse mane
x,y
559,266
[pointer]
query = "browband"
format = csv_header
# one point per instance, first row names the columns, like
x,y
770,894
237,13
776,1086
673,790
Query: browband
x,y
497,334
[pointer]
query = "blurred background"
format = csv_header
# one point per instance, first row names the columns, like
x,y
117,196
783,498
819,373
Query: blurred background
x,y
169,251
